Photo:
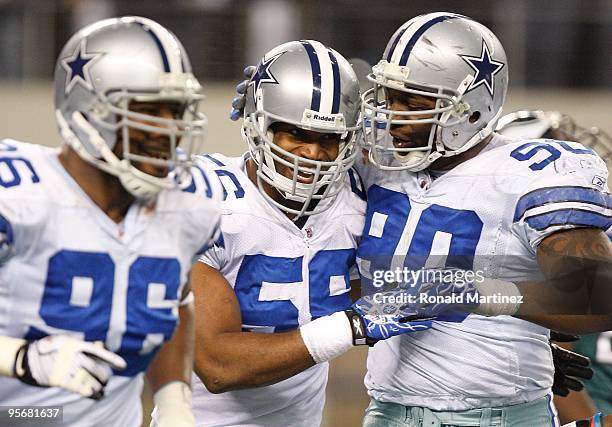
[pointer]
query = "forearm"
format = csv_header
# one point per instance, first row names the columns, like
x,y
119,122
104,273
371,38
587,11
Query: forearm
x,y
550,304
174,361
571,324
237,360
544,303
576,295
575,406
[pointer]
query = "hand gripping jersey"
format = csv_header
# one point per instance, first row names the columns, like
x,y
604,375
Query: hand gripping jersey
x,y
70,269
283,277
492,210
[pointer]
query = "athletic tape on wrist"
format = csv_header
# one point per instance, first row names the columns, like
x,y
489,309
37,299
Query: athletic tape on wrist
x,y
507,293
10,346
327,337
173,404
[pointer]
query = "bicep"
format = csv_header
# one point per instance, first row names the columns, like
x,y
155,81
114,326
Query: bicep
x,y
567,251
577,265
216,305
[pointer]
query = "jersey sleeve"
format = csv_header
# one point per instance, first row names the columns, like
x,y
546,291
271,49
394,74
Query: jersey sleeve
x,y
573,194
212,233
215,255
6,238
18,182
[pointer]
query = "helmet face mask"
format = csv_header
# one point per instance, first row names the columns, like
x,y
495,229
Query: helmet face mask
x,y
108,69
383,120
150,138
325,176
309,86
457,63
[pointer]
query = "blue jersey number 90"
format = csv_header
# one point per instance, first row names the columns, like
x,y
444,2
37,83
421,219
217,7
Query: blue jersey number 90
x,y
387,243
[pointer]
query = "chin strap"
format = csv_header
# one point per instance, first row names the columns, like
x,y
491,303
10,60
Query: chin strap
x,y
73,141
110,163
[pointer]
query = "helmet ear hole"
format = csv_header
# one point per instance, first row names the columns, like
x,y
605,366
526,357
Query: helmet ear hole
x,y
474,117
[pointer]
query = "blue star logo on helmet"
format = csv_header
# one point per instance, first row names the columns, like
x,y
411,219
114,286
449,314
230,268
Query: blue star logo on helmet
x,y
77,67
485,67
263,74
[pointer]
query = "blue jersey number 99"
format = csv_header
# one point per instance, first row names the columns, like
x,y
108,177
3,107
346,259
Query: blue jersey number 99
x,y
81,293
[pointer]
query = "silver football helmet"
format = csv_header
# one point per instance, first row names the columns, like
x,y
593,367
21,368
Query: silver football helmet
x,y
555,125
454,60
313,87
108,65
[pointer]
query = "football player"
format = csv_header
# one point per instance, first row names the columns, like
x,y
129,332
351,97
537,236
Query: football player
x,y
98,239
598,347
271,294
444,190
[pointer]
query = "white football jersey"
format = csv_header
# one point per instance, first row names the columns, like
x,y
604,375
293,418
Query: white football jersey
x,y
72,270
492,210
283,277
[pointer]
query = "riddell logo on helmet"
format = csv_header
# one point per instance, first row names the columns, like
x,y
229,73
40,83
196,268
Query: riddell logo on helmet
x,y
324,118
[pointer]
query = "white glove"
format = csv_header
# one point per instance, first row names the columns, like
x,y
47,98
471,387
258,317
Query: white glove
x,y
173,406
63,361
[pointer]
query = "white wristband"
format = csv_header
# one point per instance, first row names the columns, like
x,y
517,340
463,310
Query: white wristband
x,y
328,336
497,297
173,405
10,346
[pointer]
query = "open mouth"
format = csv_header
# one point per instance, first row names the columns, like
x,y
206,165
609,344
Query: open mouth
x,y
305,178
400,143
160,156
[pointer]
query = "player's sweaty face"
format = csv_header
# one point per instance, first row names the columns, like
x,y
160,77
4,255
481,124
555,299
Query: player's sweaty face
x,y
409,135
307,144
150,143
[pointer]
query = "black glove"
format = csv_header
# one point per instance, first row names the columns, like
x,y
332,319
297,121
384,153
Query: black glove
x,y
570,367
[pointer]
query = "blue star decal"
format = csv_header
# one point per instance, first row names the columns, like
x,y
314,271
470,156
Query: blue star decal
x,y
485,68
263,74
77,67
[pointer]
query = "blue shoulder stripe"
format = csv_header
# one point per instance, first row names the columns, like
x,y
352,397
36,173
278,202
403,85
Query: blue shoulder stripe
x,y
578,217
544,196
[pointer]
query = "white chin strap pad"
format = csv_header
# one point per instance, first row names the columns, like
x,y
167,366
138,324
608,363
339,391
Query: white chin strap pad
x,y
110,163
138,187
